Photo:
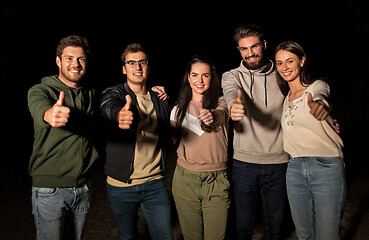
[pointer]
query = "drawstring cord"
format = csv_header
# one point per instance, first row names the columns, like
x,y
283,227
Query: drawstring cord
x,y
265,88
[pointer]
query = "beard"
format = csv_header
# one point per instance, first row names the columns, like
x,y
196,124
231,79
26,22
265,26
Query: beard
x,y
253,65
73,77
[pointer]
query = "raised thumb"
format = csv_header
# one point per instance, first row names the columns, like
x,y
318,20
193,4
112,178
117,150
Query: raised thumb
x,y
128,103
61,98
239,96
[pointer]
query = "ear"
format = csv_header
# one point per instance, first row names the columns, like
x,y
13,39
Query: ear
x,y
302,61
58,61
124,70
265,44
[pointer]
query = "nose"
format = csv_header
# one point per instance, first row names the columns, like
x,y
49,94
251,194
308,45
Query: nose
x,y
284,67
249,52
76,63
138,66
201,79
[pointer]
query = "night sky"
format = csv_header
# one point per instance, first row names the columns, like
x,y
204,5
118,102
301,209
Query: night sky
x,y
334,36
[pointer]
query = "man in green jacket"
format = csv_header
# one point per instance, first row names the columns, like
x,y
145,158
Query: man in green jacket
x,y
63,152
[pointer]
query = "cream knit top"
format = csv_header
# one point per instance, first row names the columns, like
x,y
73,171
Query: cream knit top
x,y
303,135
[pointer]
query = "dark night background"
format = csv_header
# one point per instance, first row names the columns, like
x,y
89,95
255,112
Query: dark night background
x,y
333,33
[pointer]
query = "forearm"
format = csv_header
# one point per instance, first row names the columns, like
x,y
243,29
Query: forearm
x,y
230,88
110,105
38,103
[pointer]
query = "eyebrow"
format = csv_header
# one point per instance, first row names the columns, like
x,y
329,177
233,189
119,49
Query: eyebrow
x,y
199,73
84,56
255,45
137,60
282,60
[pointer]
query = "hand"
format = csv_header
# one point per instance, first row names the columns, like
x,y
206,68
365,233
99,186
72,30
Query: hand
x,y
161,91
237,108
316,109
336,126
206,116
58,115
125,115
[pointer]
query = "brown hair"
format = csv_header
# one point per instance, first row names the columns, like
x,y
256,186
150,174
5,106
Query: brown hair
x,y
211,96
72,40
133,48
248,31
295,48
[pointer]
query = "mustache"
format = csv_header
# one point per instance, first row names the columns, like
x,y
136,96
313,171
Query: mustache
x,y
252,56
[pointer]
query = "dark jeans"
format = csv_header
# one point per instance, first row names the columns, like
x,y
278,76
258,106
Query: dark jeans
x,y
152,198
254,180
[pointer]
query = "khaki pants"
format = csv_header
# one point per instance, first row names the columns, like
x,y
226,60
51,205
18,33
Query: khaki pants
x,y
202,202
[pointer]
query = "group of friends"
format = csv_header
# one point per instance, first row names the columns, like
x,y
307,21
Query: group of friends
x,y
285,145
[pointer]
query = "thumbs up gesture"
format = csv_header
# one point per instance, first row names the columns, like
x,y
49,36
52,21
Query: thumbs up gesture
x,y
206,116
316,109
237,108
58,115
125,115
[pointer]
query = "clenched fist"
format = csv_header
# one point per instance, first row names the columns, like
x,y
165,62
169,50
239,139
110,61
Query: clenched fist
x,y
58,115
125,115
237,108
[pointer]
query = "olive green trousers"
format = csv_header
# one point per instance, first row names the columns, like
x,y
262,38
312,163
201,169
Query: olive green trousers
x,y
202,201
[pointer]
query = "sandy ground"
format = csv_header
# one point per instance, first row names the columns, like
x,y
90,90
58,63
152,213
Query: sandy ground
x,y
16,220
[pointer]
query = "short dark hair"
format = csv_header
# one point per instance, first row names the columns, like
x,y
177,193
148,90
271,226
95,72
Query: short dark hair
x,y
133,48
248,31
73,40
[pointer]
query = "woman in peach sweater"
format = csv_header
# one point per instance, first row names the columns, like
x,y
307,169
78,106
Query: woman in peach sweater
x,y
200,184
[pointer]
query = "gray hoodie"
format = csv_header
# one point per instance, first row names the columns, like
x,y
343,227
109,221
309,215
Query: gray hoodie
x,y
258,136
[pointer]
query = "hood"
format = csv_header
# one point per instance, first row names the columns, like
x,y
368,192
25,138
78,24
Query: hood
x,y
53,81
261,72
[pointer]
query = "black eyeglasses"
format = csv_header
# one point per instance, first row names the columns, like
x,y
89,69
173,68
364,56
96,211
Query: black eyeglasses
x,y
133,63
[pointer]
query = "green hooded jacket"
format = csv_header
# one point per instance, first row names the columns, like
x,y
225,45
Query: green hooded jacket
x,y
62,156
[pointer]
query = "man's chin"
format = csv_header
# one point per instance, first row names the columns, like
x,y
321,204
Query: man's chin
x,y
253,65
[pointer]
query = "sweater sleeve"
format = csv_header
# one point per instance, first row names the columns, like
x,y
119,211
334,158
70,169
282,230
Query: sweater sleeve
x,y
39,101
230,88
221,113
320,92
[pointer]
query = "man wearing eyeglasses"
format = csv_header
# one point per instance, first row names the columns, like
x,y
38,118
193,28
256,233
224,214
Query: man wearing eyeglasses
x,y
135,156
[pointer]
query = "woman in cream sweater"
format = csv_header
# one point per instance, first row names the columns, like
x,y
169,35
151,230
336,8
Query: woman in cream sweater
x,y
200,185
315,175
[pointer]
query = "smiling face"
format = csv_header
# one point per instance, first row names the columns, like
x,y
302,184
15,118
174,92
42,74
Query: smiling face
x,y
137,74
252,51
199,79
289,65
72,65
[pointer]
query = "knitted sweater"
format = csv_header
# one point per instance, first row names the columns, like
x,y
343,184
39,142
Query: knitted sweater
x,y
303,135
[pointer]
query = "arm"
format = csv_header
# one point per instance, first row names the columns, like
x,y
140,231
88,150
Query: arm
x,y
318,100
216,117
115,108
233,96
111,103
47,110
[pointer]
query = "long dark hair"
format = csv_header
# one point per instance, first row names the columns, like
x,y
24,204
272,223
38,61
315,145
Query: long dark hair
x,y
305,77
211,96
